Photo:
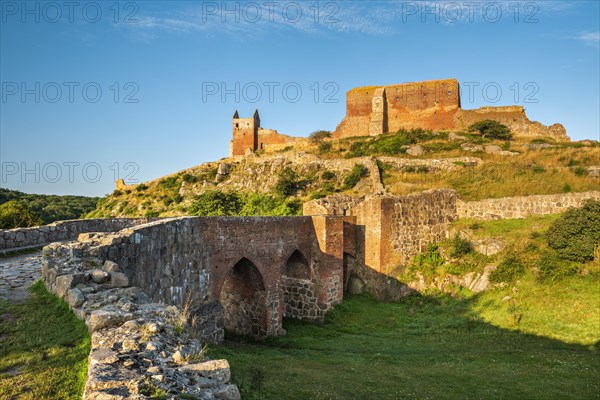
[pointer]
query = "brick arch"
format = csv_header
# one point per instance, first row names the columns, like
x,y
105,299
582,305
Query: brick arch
x,y
297,266
244,298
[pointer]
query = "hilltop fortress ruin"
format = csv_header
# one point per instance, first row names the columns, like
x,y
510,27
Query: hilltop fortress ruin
x,y
375,110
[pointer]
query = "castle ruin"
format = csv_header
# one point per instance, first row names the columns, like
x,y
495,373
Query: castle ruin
x,y
435,105
248,136
375,110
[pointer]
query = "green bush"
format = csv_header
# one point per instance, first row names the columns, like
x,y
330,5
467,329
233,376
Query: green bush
x,y
169,183
216,203
287,183
358,172
460,246
426,263
576,233
141,187
491,129
189,178
508,270
324,147
152,214
580,171
551,266
327,175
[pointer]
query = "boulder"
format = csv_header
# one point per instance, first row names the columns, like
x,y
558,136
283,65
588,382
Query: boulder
x,y
416,150
75,297
99,276
227,392
454,137
111,266
118,279
471,147
100,319
66,282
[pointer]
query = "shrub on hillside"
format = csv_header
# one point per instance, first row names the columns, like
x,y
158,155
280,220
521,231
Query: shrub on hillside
x,y
217,203
460,246
325,147
287,183
491,129
327,175
358,172
576,233
318,136
551,266
508,270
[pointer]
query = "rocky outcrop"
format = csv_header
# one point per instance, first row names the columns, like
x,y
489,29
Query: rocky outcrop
x,y
139,349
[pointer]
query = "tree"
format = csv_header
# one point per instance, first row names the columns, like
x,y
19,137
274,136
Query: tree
x,y
318,136
491,129
16,215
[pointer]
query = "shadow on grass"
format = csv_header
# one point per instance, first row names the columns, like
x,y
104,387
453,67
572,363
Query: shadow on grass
x,y
426,347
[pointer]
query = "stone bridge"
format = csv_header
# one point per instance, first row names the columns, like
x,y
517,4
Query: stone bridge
x,y
243,274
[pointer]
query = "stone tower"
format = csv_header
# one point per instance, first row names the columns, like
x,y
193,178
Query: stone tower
x,y
245,134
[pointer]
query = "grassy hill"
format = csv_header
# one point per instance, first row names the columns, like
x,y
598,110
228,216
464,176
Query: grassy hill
x,y
322,167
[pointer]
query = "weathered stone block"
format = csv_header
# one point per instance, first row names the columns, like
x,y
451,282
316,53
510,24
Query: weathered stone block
x,y
118,279
213,369
75,297
100,319
99,276
66,282
111,266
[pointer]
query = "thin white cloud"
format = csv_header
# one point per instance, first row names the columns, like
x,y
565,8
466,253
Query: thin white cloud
x,y
373,18
589,38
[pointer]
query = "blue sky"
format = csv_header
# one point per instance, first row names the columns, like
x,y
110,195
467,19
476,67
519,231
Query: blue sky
x,y
143,89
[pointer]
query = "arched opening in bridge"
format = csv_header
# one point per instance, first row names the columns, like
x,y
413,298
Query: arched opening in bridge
x,y
243,297
297,266
300,297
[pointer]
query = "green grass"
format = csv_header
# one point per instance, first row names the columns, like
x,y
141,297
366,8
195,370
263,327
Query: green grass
x,y
566,310
422,348
43,349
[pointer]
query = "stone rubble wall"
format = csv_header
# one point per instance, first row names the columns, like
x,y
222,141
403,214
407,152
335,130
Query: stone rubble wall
x,y
14,239
137,347
523,206
420,219
300,299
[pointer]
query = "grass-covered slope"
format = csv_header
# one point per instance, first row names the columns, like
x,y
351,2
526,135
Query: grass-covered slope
x,y
43,349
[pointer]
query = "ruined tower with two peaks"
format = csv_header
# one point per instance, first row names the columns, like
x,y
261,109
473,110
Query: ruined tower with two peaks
x,y
248,136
